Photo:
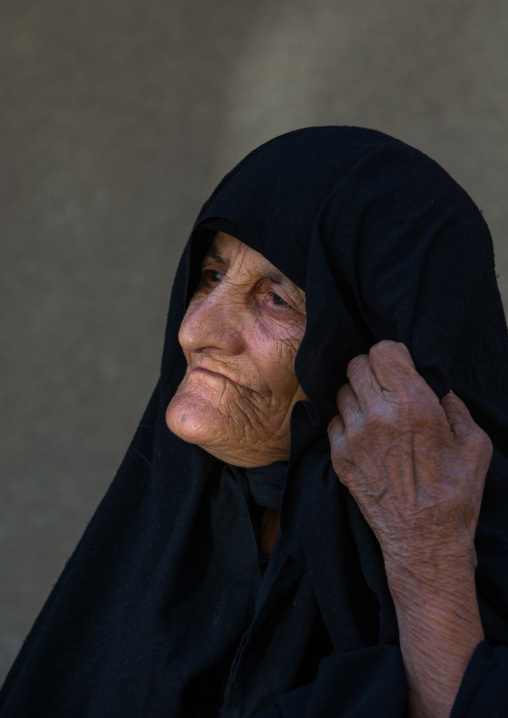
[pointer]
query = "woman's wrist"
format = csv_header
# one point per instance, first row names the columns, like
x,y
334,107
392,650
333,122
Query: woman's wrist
x,y
437,565
439,627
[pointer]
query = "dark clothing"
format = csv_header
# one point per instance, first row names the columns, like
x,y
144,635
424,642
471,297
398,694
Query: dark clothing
x,y
161,611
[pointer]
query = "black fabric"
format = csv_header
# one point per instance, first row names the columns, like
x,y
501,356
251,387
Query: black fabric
x,y
264,484
161,611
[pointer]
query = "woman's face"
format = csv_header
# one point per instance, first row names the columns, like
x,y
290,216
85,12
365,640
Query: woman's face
x,y
240,336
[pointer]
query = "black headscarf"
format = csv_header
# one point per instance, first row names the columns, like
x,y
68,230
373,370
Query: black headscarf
x,y
161,611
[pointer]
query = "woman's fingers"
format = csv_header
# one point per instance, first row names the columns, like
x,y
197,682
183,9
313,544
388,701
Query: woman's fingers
x,y
458,415
336,427
385,375
393,367
363,381
336,431
473,441
348,405
466,432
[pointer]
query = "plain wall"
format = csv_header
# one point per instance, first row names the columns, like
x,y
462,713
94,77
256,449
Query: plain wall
x,y
117,120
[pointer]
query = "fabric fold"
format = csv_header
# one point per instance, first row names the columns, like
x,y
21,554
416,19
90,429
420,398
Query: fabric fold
x,y
161,610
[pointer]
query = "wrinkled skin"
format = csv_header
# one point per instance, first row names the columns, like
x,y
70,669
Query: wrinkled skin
x,y
423,483
240,336
416,467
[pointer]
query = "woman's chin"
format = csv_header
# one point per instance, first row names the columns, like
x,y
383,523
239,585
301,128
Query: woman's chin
x,y
196,420
193,416
186,421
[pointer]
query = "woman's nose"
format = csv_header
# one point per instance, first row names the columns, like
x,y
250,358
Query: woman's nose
x,y
211,321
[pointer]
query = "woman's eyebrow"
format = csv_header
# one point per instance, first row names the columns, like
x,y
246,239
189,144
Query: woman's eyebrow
x,y
270,272
294,292
276,277
213,253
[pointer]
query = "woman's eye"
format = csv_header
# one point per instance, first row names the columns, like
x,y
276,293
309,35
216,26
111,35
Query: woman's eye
x,y
212,276
278,301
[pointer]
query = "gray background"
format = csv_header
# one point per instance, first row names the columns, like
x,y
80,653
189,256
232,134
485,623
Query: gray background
x,y
117,119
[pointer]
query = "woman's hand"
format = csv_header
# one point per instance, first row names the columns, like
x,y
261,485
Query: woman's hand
x,y
416,466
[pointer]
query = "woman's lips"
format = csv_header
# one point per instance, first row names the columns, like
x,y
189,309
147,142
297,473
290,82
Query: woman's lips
x,y
202,370
209,373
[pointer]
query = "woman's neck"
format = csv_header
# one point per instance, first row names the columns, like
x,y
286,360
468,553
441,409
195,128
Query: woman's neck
x,y
266,524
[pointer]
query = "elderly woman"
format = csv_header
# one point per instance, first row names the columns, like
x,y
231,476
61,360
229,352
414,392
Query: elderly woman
x,y
237,566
